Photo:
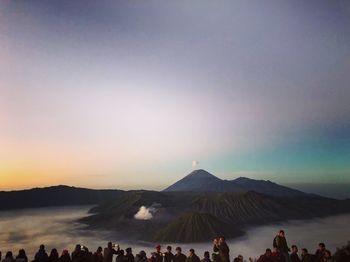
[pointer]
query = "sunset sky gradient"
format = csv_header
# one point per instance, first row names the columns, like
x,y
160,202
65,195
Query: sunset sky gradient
x,y
126,94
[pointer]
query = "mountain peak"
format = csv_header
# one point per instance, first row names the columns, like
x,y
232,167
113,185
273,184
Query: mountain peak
x,y
201,173
202,181
197,180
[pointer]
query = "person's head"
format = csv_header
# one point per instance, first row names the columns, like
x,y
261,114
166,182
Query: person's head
x,y
142,253
268,252
206,254
157,247
9,254
99,250
294,249
22,253
304,252
110,245
168,248
128,250
327,254
121,252
77,248
42,247
281,233
240,258
321,246
65,252
191,252
178,250
347,251
222,240
54,253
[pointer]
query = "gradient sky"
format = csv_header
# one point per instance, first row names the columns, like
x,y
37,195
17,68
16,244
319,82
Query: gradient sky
x,y
126,94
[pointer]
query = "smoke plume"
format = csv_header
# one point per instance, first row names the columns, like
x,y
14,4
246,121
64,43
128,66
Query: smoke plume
x,y
146,213
194,164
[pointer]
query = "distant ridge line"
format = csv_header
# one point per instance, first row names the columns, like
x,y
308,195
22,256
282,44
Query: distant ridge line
x,y
201,180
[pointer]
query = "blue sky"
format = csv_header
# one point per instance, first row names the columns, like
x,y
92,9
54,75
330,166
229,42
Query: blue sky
x,y
127,94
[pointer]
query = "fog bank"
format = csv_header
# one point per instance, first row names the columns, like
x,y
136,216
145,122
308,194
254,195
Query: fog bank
x,y
56,227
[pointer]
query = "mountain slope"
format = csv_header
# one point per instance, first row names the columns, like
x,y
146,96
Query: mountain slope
x,y
202,181
197,216
266,187
194,227
54,196
238,208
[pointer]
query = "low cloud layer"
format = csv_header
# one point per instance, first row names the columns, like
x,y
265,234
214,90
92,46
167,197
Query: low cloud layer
x,y
56,228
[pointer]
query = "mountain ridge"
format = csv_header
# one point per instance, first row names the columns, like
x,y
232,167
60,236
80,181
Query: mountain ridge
x,y
202,181
61,195
198,215
188,216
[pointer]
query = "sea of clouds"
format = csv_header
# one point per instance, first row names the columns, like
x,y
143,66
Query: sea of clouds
x,y
57,227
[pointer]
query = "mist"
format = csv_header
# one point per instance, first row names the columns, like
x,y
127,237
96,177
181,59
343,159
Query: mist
x,y
54,227
57,228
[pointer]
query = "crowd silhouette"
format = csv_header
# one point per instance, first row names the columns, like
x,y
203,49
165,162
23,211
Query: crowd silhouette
x,y
280,252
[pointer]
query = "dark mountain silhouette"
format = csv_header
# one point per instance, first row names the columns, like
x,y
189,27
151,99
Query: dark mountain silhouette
x,y
196,208
54,196
197,181
194,227
238,208
195,216
202,181
116,210
267,187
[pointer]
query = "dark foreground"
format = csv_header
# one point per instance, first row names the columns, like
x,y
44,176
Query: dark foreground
x,y
220,252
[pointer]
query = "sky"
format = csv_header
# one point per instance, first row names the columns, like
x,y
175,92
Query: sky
x,y
128,94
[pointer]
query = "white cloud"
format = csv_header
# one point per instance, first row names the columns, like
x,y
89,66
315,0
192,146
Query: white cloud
x,y
146,213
